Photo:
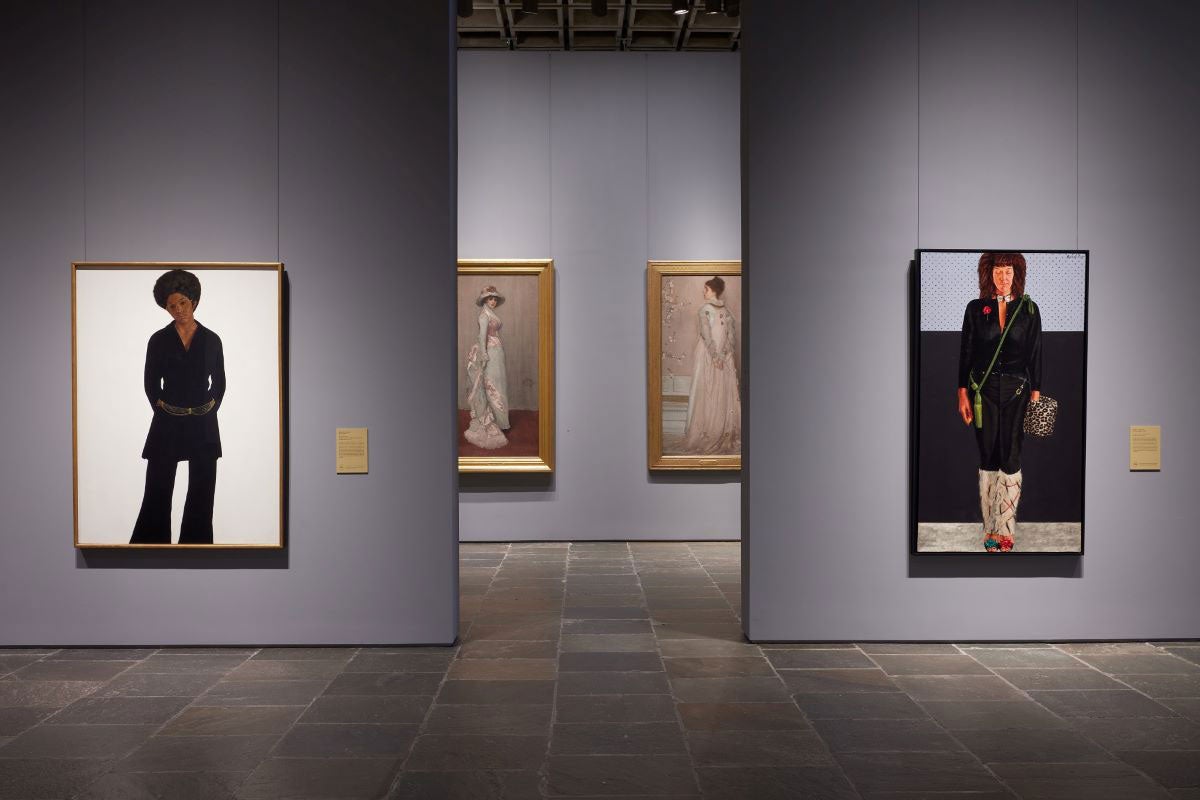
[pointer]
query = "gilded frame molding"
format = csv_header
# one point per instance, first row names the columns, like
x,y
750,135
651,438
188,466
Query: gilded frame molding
x,y
76,266
543,462
655,459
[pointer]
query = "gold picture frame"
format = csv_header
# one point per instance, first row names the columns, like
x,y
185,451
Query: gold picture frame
x,y
667,394
109,301
531,281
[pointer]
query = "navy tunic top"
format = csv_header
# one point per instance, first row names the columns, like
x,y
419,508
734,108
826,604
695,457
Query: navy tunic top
x,y
186,378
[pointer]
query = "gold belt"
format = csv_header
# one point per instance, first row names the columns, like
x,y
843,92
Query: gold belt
x,y
195,411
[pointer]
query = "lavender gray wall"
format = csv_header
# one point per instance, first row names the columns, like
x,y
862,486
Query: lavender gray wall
x,y
936,123
319,134
600,161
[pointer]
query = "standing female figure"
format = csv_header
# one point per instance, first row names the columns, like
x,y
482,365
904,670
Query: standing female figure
x,y
714,418
999,375
486,375
184,382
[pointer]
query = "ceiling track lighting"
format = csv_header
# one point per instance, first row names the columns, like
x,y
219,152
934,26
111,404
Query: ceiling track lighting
x,y
466,8
680,7
529,6
713,6
599,8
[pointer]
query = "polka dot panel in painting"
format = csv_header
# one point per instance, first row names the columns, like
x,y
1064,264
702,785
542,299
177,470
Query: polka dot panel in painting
x,y
1055,281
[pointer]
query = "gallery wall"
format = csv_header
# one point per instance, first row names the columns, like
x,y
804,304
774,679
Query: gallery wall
x,y
318,134
940,124
600,161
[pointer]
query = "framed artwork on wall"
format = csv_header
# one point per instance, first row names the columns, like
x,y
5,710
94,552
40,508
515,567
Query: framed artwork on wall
x,y
999,401
177,404
506,365
694,365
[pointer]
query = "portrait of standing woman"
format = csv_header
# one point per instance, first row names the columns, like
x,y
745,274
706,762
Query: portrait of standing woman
x,y
999,376
184,381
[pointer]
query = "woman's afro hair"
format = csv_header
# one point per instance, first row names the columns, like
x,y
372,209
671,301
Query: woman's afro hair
x,y
177,280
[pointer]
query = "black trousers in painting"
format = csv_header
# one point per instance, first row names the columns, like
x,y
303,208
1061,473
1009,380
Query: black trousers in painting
x,y
1005,398
154,520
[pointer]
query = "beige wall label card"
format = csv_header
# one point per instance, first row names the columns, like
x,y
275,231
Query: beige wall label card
x,y
1145,447
351,451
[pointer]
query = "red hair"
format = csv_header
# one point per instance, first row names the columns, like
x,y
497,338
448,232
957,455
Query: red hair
x,y
992,259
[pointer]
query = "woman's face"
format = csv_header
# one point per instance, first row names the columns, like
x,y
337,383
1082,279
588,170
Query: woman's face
x,y
1002,277
180,307
709,294
492,302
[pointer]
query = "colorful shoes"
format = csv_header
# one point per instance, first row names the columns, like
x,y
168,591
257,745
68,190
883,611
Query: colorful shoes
x,y
1006,544
992,544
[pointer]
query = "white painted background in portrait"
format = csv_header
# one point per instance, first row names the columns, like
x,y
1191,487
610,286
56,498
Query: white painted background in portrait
x,y
115,314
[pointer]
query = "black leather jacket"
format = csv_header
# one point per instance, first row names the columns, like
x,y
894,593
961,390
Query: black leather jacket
x,y
1021,355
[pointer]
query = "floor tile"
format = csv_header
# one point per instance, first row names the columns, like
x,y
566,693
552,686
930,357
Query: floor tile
x,y
1087,781
908,648
610,662
1178,769
1059,679
469,785
368,661
1139,663
617,708
728,690
884,735
910,664
530,669
741,717
917,772
1029,658
717,667
164,786
837,681
28,694
621,738
218,663
620,775
496,693
786,748
492,648
991,714
1142,733
346,740
1185,707
157,685
957,687
120,711
608,643
859,706
775,783
76,741
385,683
198,754
396,709
261,693
232,720
72,670
1027,746
1101,704
17,720
612,683
285,671
606,626
340,654
514,720
49,779
1164,686
706,648
441,752
319,778
100,654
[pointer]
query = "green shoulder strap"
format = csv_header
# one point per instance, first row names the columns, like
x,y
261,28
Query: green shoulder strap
x,y
978,387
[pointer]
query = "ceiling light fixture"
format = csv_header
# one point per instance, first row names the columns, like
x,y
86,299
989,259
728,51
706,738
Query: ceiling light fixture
x,y
712,6
680,7
529,6
599,8
466,8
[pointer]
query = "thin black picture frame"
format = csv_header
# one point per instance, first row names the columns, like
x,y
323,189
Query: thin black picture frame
x,y
914,330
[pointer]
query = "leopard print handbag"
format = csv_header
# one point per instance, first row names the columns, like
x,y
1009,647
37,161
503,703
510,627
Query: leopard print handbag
x,y
1041,416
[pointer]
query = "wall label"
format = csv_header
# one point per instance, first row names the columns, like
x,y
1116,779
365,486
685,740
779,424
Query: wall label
x,y
351,454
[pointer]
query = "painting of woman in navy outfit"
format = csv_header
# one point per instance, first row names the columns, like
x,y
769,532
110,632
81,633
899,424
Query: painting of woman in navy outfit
x,y
184,384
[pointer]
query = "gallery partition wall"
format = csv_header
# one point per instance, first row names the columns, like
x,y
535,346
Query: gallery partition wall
x,y
601,162
315,134
876,129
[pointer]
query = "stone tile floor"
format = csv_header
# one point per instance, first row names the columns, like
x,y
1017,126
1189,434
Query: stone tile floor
x,y
602,669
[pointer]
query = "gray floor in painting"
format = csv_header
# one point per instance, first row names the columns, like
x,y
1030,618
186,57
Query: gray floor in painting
x,y
599,670
1030,537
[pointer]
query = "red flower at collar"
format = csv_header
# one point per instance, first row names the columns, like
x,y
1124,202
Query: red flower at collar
x,y
987,309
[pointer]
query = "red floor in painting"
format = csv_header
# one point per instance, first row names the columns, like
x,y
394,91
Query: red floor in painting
x,y
522,436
